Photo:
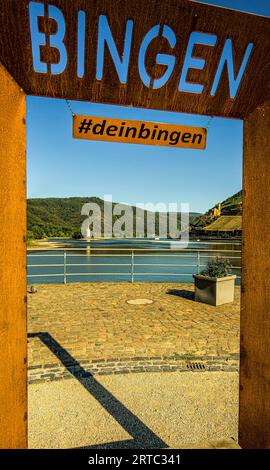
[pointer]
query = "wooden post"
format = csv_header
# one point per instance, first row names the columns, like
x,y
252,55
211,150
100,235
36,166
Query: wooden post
x,y
13,335
254,423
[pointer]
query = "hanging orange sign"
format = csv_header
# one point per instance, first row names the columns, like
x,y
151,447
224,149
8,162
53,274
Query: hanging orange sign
x,y
138,132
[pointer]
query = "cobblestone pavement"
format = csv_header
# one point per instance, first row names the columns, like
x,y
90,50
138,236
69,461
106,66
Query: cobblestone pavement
x,y
83,328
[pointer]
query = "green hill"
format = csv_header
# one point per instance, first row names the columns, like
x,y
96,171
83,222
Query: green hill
x,y
55,217
231,206
61,217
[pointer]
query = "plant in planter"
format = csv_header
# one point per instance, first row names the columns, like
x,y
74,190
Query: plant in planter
x,y
215,284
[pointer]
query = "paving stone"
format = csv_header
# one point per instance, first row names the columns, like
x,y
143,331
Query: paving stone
x,y
96,330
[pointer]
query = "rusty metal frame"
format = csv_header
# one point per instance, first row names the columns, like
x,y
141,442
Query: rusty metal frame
x,y
18,79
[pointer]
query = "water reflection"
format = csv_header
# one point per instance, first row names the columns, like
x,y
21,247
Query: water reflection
x,y
120,260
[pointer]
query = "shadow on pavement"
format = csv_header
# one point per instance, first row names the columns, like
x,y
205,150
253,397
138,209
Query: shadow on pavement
x,y
143,437
185,294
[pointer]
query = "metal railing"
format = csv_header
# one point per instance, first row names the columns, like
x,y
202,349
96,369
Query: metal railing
x,y
198,260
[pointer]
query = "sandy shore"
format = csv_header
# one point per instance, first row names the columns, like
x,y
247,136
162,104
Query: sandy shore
x,y
45,244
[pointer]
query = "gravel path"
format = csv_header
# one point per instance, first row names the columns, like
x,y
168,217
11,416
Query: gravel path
x,y
151,410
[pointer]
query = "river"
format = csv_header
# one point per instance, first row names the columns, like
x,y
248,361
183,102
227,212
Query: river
x,y
142,260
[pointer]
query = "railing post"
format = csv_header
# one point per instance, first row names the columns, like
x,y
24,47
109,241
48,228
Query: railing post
x,y
198,262
65,267
132,266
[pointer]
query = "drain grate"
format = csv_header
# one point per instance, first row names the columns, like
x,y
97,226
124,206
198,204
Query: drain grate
x,y
196,366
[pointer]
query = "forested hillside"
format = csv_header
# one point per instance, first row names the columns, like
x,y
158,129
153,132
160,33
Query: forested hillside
x,y
61,217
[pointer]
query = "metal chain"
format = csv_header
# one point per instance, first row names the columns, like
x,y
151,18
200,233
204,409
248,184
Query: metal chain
x,y
73,114
70,108
209,122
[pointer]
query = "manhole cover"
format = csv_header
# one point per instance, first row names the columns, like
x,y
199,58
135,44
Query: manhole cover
x,y
139,301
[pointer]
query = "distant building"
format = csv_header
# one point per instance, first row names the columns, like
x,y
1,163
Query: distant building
x,y
216,212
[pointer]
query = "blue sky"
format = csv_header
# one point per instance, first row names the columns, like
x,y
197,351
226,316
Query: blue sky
x,y
59,166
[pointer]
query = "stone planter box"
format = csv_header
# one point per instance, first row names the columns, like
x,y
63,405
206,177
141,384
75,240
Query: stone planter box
x,y
213,290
